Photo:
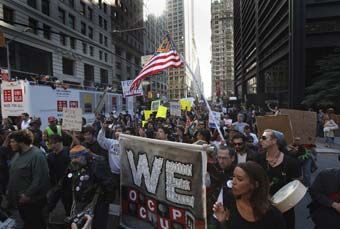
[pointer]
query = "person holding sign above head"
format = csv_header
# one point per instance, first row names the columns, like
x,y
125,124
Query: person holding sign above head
x,y
251,208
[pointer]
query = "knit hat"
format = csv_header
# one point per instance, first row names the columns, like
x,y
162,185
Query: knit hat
x,y
78,151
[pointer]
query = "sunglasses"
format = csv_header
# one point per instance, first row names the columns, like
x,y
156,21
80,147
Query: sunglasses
x,y
264,137
238,143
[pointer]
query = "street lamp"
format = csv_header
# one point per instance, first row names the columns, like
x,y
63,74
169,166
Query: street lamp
x,y
27,29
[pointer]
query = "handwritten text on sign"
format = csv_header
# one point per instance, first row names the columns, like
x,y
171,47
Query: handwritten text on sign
x,y
72,119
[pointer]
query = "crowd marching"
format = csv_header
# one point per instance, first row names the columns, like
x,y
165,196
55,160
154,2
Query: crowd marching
x,y
39,168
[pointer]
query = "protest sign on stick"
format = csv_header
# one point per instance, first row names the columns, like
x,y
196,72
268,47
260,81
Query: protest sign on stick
x,y
72,119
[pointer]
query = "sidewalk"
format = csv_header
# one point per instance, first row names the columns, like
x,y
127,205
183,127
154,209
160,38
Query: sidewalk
x,y
320,146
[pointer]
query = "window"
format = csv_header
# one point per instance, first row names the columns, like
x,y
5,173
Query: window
x,y
47,32
105,24
84,48
71,21
90,32
119,65
105,41
61,15
89,74
45,7
71,3
32,23
118,51
91,51
68,66
73,43
104,7
100,38
83,28
62,39
32,3
104,76
100,55
8,14
100,20
105,57
82,8
90,13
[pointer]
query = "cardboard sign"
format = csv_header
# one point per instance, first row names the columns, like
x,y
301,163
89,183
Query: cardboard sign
x,y
161,186
161,113
155,104
303,123
175,109
126,89
275,122
72,119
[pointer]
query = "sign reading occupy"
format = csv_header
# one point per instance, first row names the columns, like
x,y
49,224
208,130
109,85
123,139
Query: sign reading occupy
x,y
162,188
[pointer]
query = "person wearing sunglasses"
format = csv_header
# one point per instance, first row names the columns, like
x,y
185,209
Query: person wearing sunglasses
x,y
281,168
243,152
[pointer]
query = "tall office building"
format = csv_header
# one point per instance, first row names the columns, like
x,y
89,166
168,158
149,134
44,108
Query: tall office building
x,y
180,19
222,39
155,28
127,38
69,40
278,45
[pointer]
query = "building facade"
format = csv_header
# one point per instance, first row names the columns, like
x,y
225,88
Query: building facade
x,y
180,19
69,40
155,28
222,39
127,38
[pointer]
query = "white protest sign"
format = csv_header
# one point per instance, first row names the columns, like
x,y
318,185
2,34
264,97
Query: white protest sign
x,y
175,109
126,89
14,98
215,115
72,119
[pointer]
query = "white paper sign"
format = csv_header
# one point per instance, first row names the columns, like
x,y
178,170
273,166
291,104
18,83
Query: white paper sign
x,y
175,109
126,89
217,116
14,98
72,119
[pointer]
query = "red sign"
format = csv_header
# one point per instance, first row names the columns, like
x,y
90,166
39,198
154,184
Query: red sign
x,y
61,105
73,104
7,96
18,95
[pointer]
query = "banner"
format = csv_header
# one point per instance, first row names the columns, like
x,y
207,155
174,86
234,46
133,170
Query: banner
x,y
217,116
303,124
155,104
161,113
276,122
14,98
175,109
162,188
126,89
147,114
72,119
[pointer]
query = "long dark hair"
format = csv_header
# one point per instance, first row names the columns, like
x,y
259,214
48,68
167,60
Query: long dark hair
x,y
259,199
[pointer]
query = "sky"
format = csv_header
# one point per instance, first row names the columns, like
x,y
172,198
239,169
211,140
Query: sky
x,y
202,33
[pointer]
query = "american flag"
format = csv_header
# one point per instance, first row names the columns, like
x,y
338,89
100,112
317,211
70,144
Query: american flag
x,y
165,57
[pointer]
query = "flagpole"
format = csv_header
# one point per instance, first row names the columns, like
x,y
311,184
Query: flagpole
x,y
199,88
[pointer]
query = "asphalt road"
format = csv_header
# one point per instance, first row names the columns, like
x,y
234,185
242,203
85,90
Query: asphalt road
x,y
301,212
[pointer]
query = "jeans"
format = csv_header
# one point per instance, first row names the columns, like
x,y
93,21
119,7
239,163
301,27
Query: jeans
x,y
307,171
32,215
329,140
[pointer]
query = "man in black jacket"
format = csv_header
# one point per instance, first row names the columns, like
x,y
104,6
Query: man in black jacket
x,y
243,152
325,192
90,180
221,176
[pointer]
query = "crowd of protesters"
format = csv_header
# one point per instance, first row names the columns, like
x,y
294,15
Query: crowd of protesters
x,y
39,168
